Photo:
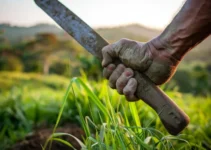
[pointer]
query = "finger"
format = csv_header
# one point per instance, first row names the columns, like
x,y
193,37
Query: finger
x,y
107,71
115,75
130,89
107,57
123,79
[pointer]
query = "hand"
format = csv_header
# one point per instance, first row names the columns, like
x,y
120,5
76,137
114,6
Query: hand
x,y
151,58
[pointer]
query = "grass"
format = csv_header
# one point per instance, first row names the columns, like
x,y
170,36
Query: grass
x,y
109,121
114,130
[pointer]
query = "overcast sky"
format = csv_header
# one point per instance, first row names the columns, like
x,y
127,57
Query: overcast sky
x,y
97,13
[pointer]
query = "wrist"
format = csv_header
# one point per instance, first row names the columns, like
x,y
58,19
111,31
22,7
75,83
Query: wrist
x,y
164,49
170,44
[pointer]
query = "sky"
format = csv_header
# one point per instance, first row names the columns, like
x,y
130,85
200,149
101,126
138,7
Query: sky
x,y
97,13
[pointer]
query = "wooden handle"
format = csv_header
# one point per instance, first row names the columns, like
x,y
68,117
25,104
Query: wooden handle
x,y
172,117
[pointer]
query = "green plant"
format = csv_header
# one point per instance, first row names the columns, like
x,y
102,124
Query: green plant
x,y
112,126
39,99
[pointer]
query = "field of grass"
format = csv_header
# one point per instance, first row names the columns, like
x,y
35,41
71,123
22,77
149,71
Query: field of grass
x,y
109,121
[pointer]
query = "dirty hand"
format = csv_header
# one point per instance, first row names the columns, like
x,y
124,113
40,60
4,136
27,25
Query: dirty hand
x,y
152,59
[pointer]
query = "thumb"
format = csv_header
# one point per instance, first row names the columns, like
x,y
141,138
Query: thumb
x,y
109,52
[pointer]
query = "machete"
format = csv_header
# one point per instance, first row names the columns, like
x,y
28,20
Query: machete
x,y
172,117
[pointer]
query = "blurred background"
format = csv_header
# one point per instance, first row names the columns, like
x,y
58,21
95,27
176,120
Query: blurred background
x,y
30,41
37,58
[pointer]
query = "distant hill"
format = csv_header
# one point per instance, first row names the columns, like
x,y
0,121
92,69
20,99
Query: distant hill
x,y
15,34
133,31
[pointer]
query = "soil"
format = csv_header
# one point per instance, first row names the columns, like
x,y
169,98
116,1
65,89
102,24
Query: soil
x,y
35,140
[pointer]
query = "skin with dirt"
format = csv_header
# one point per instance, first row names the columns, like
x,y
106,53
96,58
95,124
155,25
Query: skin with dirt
x,y
37,139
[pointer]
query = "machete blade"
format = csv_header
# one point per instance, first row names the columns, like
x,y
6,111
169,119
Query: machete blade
x,y
73,25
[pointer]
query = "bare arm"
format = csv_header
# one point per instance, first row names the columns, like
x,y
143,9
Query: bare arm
x,y
188,28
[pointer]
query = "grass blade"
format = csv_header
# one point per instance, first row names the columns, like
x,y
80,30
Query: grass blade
x,y
63,141
135,116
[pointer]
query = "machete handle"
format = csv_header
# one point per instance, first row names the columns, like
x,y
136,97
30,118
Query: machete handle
x,y
172,117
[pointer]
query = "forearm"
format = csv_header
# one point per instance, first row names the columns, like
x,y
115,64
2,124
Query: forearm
x,y
188,28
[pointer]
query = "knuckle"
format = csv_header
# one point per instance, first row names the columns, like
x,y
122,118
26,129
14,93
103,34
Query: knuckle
x,y
128,72
123,41
120,67
134,43
110,67
120,83
118,72
133,81
128,42
105,48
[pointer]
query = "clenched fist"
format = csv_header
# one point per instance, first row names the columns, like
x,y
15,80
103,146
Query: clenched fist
x,y
152,59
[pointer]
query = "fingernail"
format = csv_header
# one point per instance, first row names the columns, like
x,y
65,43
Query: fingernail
x,y
110,68
127,73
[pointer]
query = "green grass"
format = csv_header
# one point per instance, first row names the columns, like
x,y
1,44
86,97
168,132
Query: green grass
x,y
109,121
111,132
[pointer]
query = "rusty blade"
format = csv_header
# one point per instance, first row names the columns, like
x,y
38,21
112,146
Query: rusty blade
x,y
73,25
